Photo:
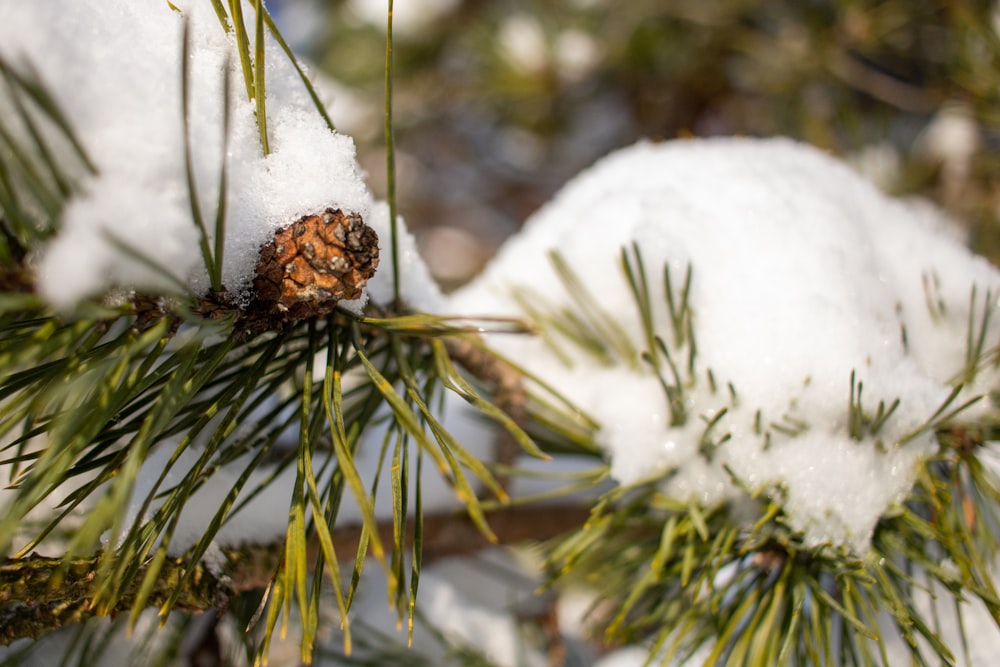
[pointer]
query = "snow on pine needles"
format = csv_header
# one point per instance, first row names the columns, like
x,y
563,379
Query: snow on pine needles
x,y
115,70
743,314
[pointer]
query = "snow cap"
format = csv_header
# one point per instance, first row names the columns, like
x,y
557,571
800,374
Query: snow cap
x,y
114,67
802,274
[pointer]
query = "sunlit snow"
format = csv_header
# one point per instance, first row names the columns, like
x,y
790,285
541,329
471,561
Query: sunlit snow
x,y
117,76
802,273
803,276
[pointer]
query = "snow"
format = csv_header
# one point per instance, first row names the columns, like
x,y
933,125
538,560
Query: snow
x,y
951,140
476,621
523,44
410,18
969,617
119,79
802,273
576,54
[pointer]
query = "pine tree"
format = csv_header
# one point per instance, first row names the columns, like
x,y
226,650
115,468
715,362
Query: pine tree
x,y
118,410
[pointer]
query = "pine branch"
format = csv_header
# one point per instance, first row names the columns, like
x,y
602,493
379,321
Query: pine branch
x,y
39,594
209,379
333,254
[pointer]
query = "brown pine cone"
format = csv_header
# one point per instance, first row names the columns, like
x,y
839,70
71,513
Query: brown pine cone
x,y
313,263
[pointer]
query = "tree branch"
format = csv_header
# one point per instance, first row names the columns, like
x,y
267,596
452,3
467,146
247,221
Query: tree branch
x,y
39,594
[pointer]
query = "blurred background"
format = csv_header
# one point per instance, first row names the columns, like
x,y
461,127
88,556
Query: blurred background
x,y
497,104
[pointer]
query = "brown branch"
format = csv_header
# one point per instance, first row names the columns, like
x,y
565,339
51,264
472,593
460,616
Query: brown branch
x,y
508,391
881,86
39,594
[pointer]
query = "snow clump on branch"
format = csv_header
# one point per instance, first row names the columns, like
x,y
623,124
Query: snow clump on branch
x,y
115,70
814,304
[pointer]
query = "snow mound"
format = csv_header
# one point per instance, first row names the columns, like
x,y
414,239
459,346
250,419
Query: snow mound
x,y
803,277
114,67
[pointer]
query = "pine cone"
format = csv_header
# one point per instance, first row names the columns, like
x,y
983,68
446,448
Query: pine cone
x,y
313,263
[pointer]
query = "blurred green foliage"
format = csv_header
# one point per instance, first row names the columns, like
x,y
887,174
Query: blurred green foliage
x,y
502,102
